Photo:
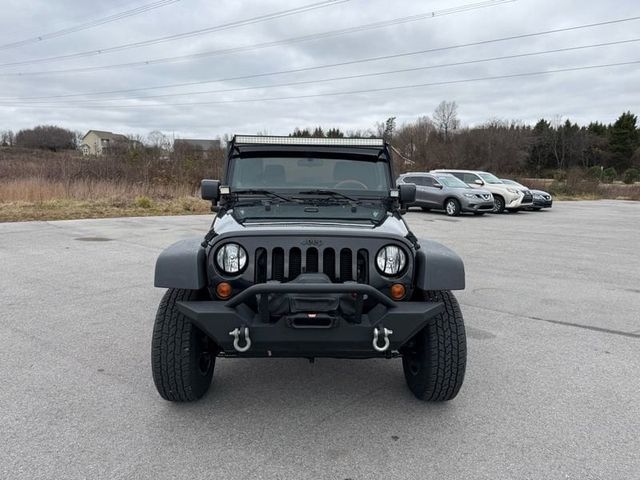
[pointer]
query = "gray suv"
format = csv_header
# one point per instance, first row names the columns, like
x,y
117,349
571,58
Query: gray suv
x,y
443,191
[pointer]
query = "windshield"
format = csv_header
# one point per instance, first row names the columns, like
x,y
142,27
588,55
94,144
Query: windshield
x,y
487,177
299,174
451,181
512,182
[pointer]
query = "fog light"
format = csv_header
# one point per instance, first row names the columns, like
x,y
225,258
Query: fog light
x,y
223,290
398,291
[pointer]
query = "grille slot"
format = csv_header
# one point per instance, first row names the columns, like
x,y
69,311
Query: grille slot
x,y
361,264
261,265
295,263
312,260
286,264
329,263
277,264
346,265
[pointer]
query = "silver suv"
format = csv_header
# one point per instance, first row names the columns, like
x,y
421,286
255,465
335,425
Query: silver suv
x,y
441,191
504,196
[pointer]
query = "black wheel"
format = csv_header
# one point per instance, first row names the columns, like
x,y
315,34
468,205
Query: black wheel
x,y
434,361
498,204
425,209
478,214
182,357
452,207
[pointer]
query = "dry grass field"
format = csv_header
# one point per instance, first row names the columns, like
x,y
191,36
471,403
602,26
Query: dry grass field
x,y
42,185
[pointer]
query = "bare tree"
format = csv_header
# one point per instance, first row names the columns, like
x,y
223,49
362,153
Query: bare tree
x,y
7,138
159,140
47,137
445,117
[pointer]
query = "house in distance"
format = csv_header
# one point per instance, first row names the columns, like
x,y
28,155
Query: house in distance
x,y
97,142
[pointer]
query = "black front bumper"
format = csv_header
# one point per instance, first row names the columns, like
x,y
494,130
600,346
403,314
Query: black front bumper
x,y
542,203
290,337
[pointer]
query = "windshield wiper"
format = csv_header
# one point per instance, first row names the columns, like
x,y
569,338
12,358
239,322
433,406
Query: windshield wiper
x,y
266,193
329,193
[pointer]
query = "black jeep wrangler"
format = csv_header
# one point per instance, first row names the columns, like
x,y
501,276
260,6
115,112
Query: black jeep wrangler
x,y
308,256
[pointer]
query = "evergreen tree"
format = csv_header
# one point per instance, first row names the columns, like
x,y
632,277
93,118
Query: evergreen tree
x,y
623,140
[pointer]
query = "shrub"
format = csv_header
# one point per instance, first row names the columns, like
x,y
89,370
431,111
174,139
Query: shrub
x,y
631,175
143,202
609,174
595,172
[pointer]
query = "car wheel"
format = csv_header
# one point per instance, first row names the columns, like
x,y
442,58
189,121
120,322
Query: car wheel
x,y
182,357
498,204
452,207
434,361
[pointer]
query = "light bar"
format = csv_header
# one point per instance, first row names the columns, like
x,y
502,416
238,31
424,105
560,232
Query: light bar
x,y
264,140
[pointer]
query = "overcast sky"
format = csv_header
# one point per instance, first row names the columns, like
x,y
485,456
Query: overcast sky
x,y
583,95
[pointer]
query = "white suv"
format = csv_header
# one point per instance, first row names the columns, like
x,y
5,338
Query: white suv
x,y
504,196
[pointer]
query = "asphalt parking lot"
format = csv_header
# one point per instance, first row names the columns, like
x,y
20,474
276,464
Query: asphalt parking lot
x,y
552,308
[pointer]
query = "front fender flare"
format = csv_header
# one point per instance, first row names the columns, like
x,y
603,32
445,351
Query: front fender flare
x,y
182,265
438,267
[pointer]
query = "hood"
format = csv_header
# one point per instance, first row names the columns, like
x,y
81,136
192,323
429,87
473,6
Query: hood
x,y
540,192
227,224
480,191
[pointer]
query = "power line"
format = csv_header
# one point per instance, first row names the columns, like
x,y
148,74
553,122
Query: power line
x,y
90,24
288,41
354,92
323,66
180,36
350,77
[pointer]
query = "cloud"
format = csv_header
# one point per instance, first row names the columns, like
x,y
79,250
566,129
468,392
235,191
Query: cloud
x,y
583,96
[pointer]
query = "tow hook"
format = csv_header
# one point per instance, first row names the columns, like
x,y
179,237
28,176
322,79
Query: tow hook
x,y
376,334
236,334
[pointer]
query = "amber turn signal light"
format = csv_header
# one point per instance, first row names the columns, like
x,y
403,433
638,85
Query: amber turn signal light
x,y
397,291
223,290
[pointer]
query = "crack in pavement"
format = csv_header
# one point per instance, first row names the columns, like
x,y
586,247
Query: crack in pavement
x,y
622,333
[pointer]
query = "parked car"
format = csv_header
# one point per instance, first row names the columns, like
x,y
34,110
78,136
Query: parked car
x,y
442,191
505,197
308,256
541,199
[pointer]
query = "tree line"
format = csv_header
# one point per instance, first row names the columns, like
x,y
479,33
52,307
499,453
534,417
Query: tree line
x,y
508,147
439,140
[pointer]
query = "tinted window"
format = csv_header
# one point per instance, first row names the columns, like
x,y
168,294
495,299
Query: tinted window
x,y
469,177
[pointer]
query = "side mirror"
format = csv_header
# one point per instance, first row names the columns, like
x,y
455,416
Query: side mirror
x,y
406,193
478,182
438,185
210,190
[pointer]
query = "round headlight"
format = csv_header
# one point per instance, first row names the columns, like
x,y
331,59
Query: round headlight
x,y
391,260
231,258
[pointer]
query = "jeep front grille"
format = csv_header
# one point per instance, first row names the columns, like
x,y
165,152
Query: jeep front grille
x,y
286,264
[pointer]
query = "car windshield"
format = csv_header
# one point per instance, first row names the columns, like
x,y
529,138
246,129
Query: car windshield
x,y
302,174
512,182
451,181
492,179
309,188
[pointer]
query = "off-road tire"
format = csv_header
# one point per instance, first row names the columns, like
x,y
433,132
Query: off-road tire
x,y
434,361
498,204
182,357
452,207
